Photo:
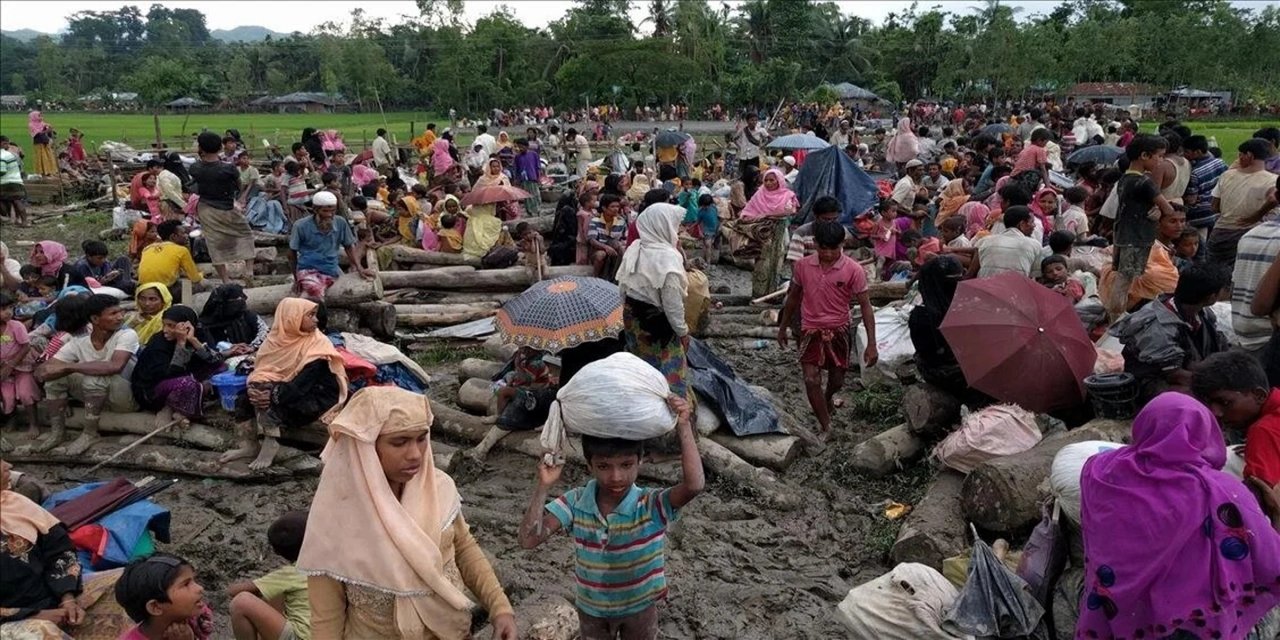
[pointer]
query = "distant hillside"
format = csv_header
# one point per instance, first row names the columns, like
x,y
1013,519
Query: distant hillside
x,y
25,35
245,34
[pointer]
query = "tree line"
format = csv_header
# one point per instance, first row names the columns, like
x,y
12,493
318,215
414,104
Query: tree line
x,y
683,51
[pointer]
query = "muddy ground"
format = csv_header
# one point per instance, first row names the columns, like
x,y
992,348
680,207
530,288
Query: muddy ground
x,y
737,568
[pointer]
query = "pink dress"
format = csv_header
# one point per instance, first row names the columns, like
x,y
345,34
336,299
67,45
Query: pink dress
x,y
886,239
20,387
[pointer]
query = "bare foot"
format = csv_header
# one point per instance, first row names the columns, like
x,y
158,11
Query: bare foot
x,y
5,447
475,453
33,431
266,455
49,441
241,453
80,445
163,417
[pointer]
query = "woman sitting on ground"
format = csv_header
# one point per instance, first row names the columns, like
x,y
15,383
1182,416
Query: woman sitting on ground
x,y
1204,561
298,377
226,318
51,258
404,576
152,299
173,367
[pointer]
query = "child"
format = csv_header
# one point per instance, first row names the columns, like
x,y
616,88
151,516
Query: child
x,y
46,293
161,592
450,239
1054,274
921,249
1073,218
885,236
709,221
618,529
275,605
29,288
1234,386
822,286
586,211
1186,248
94,264
1140,206
17,384
529,242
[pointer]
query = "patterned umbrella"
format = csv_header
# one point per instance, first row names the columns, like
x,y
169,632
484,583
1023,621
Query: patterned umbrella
x,y
564,312
493,195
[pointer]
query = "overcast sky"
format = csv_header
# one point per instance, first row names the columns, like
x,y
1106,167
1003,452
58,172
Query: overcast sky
x,y
287,16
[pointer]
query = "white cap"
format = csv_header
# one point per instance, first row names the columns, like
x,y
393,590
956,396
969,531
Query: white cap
x,y
913,163
791,160
324,199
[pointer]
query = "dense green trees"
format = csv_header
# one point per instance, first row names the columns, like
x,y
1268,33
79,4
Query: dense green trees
x,y
681,50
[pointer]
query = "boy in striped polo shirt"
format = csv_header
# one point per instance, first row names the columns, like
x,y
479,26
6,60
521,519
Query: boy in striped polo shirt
x,y
618,529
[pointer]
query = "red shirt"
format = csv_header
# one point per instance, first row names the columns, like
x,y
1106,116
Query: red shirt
x,y
827,291
1262,444
1031,159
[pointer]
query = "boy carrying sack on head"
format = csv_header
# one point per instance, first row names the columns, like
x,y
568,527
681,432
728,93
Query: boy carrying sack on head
x,y
275,606
618,530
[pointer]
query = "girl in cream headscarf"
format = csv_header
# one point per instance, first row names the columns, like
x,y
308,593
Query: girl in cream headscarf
x,y
403,574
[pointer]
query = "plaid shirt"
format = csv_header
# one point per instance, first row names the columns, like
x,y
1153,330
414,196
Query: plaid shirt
x,y
1204,177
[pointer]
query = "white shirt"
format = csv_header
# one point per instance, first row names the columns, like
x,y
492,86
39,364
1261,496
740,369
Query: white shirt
x,y
1008,251
1073,220
583,147
80,349
746,149
489,143
904,192
382,155
10,167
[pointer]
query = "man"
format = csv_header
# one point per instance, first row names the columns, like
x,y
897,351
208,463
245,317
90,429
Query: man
x,y
749,137
229,237
313,248
842,136
934,181
485,140
163,261
384,158
13,191
94,368
1013,250
789,168
1206,169
1258,249
528,170
1242,196
926,149
581,150
910,187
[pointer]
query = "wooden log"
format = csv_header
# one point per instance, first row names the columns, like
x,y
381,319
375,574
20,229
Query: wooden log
x,y
726,330
426,296
139,423
541,224
498,349
774,451
410,255
935,528
727,464
476,396
931,412
884,453
348,291
379,317
172,460
479,368
1003,495
407,309
416,320
509,279
882,292
344,320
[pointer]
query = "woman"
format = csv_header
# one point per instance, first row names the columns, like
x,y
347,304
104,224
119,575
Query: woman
x,y
172,368
1159,276
953,196
226,318
38,568
934,358
483,232
147,196
298,378
141,236
42,139
1045,207
1205,560
403,576
640,185
441,161
493,175
563,248
51,258
653,282
765,218
170,183
976,219
904,146
152,299
775,200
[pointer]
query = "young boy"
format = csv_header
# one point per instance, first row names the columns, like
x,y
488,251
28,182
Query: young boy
x,y
618,529
450,239
275,605
1073,218
1034,158
1234,386
1055,275
94,264
161,592
822,286
1186,248
709,221
530,244
1139,208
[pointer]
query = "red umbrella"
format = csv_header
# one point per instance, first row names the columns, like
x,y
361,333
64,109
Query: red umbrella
x,y
1018,341
493,195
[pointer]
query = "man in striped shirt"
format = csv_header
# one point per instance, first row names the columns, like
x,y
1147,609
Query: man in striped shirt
x,y
619,531
1256,251
1205,171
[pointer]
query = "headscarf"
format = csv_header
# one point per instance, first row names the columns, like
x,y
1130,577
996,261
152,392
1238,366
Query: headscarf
x,y
55,254
504,140
173,164
36,124
287,350
647,263
938,280
767,202
138,238
640,185
1169,537
155,361
226,315
21,517
491,178
441,161
147,327
1046,217
904,146
975,218
953,197
483,231
397,551
994,201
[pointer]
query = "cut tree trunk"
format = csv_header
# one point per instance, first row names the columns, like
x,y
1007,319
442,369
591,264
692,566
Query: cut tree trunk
x,y
141,424
348,291
726,330
479,368
410,255
342,320
476,396
379,317
931,412
407,309
509,279
541,224
884,453
1003,495
173,460
498,349
419,320
935,529
727,464
774,451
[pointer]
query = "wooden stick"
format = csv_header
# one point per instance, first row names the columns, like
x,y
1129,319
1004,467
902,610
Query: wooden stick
x,y
133,445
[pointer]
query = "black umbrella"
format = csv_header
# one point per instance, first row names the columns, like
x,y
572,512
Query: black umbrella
x,y
671,138
1099,154
994,130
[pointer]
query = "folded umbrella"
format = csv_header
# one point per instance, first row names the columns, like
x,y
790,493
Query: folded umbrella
x,y
493,195
564,312
1018,341
802,141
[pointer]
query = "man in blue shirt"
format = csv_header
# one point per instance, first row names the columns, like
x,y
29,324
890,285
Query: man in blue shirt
x,y
313,248
1205,171
528,170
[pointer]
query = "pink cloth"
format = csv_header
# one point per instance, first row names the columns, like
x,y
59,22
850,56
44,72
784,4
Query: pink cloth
x,y
55,254
314,284
771,202
35,123
441,161
20,387
430,241
1046,217
975,217
886,239
827,291
904,146
1031,159
362,174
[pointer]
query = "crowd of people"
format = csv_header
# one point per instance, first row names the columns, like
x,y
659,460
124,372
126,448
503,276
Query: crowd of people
x,y
1142,240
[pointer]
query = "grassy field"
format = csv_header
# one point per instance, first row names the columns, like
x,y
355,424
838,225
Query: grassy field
x,y
1229,133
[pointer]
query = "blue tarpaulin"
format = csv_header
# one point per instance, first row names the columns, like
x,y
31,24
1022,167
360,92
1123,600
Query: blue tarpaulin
x,y
124,527
743,410
831,172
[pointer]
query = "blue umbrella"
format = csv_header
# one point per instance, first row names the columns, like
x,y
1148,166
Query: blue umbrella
x,y
802,141
1099,154
994,130
671,138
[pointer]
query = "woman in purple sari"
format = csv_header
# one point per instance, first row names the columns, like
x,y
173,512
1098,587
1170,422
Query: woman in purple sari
x,y
1174,547
173,367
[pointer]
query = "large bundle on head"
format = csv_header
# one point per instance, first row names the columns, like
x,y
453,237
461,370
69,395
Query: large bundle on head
x,y
621,396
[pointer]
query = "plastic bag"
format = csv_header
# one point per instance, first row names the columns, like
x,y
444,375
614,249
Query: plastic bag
x,y
993,432
1044,556
906,603
893,338
621,396
994,602
1064,473
123,217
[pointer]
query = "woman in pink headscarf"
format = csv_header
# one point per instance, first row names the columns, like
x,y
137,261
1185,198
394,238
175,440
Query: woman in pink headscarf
x,y
764,224
51,258
441,161
774,200
904,146
1174,547
1045,207
42,139
975,219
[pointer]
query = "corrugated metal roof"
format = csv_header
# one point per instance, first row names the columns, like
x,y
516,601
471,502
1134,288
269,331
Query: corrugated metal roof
x,y
329,99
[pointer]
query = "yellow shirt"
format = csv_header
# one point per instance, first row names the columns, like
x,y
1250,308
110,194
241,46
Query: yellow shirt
x,y
162,261
450,241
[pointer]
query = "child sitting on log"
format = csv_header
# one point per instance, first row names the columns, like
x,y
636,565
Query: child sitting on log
x,y
275,605
822,287
523,394
1234,387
